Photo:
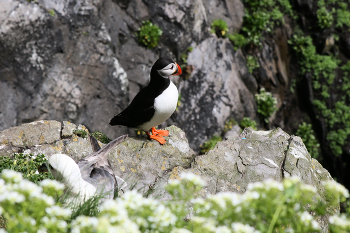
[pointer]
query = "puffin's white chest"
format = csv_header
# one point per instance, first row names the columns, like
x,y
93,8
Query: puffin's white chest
x,y
165,105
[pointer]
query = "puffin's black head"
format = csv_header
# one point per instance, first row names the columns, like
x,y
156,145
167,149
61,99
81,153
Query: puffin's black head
x,y
166,67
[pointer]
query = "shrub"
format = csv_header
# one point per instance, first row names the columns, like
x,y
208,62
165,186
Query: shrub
x,y
266,104
219,27
307,134
247,122
27,164
267,206
149,34
237,39
252,63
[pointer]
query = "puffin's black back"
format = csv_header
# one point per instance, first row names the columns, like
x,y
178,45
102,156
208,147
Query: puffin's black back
x,y
141,108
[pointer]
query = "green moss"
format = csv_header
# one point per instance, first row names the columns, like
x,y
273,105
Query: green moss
x,y
149,34
247,122
210,144
80,133
101,137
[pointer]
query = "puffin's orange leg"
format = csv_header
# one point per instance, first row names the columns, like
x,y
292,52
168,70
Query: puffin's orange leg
x,y
160,139
159,132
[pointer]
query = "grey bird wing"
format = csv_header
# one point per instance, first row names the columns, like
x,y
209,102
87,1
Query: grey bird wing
x,y
92,165
94,144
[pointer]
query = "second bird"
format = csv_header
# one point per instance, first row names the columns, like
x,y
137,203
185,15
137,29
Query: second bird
x,y
155,103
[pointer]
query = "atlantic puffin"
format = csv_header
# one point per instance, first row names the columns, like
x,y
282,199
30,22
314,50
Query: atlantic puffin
x,y
155,103
91,175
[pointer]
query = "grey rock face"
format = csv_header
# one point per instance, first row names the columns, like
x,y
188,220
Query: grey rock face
x,y
146,165
80,61
64,67
213,93
232,11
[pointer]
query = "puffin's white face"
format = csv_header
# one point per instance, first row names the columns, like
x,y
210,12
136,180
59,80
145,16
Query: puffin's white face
x,y
171,69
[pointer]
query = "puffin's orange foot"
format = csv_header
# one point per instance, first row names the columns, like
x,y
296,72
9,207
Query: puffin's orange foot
x,y
160,132
160,139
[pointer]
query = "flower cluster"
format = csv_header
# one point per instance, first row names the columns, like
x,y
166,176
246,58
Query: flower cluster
x,y
268,206
27,207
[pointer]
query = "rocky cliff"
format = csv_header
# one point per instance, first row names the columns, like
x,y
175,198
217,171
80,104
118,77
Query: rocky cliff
x,y
146,165
233,164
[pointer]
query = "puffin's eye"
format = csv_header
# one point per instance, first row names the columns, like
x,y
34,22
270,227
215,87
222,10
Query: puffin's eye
x,y
172,66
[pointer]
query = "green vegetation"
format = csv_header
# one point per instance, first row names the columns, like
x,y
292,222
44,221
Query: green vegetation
x,y
228,125
210,144
252,63
247,122
178,102
184,56
149,34
323,69
267,207
266,104
80,132
238,40
331,13
101,137
307,134
262,16
219,27
27,164
52,12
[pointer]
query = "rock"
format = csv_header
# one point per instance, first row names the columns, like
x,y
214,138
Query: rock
x,y
232,11
213,93
234,132
146,165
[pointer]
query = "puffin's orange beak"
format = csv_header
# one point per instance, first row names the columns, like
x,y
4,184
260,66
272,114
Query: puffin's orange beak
x,y
178,71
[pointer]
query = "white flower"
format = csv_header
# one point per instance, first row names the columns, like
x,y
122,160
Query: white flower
x,y
308,188
308,220
332,185
223,229
250,195
180,230
11,176
195,179
218,200
52,184
238,227
83,221
56,211
49,201
12,197
2,230
340,221
27,187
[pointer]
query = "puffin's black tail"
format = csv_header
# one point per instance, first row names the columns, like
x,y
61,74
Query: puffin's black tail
x,y
115,120
120,119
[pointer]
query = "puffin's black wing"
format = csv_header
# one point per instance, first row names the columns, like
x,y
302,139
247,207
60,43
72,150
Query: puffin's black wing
x,y
140,110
